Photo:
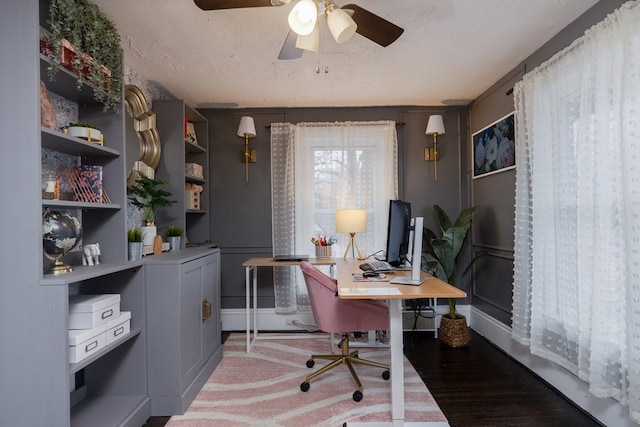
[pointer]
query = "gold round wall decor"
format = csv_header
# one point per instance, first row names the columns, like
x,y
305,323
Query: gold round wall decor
x,y
147,153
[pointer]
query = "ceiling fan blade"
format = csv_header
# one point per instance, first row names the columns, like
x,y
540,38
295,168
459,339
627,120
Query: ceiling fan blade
x,y
289,49
234,4
373,27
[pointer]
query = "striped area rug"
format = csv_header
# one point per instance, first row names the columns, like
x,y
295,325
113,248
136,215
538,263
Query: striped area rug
x,y
262,388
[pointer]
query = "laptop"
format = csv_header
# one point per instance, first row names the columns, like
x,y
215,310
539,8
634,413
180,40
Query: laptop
x,y
291,258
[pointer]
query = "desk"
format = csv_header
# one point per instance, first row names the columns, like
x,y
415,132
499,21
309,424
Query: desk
x,y
251,265
431,288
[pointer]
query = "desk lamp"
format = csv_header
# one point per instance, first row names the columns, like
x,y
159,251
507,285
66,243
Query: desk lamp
x,y
351,221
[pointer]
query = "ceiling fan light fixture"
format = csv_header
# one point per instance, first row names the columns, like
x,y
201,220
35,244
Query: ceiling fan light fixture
x,y
310,41
303,17
341,25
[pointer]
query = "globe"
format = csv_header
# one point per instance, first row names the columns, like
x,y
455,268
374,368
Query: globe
x,y
61,232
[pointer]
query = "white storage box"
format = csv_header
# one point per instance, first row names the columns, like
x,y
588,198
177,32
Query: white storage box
x,y
192,199
85,342
193,169
118,327
89,311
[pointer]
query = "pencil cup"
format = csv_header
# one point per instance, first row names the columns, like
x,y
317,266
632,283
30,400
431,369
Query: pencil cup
x,y
323,251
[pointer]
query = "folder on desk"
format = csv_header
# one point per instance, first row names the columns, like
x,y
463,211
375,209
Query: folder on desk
x,y
291,258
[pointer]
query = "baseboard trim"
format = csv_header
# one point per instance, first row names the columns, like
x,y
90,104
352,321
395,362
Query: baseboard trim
x,y
608,411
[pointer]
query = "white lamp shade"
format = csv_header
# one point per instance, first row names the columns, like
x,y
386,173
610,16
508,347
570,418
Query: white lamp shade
x,y
310,41
247,127
341,25
303,16
351,221
435,125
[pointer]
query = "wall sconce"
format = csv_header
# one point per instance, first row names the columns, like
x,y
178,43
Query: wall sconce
x,y
247,128
351,221
435,126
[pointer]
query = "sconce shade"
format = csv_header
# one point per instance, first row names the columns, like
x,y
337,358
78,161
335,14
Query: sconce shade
x,y
341,25
303,16
351,221
435,125
247,127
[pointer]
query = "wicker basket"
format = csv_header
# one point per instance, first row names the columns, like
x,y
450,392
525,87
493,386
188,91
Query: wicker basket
x,y
454,332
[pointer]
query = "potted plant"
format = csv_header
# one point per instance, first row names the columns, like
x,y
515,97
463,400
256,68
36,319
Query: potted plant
x,y
439,259
92,43
134,238
174,236
146,195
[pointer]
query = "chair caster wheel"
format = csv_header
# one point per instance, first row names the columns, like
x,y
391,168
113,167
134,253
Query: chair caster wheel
x,y
386,375
357,395
305,386
310,363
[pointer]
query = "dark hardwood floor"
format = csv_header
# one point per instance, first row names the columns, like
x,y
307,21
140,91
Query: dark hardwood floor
x,y
480,386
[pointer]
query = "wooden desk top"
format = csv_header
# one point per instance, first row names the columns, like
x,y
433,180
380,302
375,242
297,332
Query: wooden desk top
x,y
270,262
430,288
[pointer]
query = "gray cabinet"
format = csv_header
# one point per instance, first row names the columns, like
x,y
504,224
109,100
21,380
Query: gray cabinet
x,y
183,326
177,150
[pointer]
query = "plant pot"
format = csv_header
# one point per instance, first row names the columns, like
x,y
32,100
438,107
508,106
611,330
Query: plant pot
x,y
135,251
454,332
174,243
90,134
149,233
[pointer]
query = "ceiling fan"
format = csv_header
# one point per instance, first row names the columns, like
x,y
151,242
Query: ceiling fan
x,y
343,22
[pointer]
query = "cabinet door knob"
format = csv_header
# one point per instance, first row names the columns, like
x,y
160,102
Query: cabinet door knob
x,y
206,310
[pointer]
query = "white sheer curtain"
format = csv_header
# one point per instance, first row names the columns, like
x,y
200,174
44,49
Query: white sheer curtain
x,y
577,239
317,168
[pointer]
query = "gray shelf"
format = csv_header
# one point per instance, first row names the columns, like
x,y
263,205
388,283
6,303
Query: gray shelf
x,y
70,204
58,141
75,367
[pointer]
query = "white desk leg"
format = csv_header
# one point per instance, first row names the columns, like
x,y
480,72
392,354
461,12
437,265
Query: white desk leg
x,y
397,356
249,308
248,305
255,304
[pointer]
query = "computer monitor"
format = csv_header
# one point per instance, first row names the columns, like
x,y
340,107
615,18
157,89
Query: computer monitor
x,y
398,232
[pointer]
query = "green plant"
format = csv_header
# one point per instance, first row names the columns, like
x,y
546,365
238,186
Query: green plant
x,y
440,253
146,196
83,125
173,231
97,44
134,234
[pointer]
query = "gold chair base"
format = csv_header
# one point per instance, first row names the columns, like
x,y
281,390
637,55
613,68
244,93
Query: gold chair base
x,y
346,357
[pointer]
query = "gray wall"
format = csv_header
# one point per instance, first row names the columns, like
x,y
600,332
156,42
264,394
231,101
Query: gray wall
x,y
241,214
493,195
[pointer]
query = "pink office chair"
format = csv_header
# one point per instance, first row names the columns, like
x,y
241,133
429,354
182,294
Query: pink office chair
x,y
335,315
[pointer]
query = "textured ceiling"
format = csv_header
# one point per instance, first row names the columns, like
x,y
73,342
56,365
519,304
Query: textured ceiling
x,y
450,52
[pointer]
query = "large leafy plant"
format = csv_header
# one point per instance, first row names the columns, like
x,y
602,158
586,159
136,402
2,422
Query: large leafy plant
x,y
146,195
440,251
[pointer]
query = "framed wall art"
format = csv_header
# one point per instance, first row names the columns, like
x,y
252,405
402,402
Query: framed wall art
x,y
494,148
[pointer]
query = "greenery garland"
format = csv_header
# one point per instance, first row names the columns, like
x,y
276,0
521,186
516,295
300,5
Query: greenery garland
x,y
93,34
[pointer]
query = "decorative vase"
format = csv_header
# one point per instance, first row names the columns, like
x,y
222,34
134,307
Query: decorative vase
x,y
149,233
454,332
135,251
174,243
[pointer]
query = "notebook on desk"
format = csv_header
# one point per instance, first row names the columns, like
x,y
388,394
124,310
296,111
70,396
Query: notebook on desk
x,y
291,258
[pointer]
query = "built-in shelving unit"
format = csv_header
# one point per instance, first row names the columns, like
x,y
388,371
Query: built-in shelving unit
x,y
108,387
171,127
